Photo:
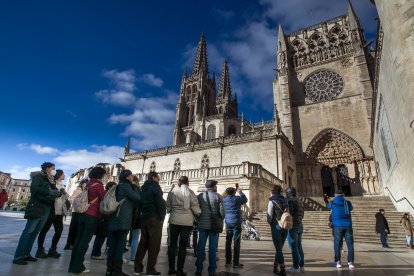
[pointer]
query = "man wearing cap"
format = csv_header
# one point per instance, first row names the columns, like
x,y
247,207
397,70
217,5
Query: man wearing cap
x,y
205,226
295,233
342,227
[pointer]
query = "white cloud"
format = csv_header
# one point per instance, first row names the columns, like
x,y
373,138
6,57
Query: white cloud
x,y
84,158
151,80
38,148
115,97
18,172
123,80
124,87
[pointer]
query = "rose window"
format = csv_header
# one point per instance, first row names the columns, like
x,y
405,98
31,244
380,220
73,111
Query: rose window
x,y
323,86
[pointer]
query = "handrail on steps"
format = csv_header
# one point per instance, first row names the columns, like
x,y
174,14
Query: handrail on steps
x,y
399,200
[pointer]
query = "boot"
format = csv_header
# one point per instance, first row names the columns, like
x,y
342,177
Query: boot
x,y
109,267
171,261
53,253
180,262
41,254
118,269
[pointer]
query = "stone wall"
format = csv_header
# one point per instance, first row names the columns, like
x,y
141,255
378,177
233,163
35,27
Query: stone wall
x,y
396,95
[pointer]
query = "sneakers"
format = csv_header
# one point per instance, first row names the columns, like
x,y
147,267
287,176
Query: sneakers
x,y
138,273
351,265
302,269
53,253
30,259
338,265
238,265
292,270
20,262
41,254
85,271
98,258
228,264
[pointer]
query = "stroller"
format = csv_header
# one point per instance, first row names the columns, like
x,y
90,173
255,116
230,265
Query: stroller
x,y
251,231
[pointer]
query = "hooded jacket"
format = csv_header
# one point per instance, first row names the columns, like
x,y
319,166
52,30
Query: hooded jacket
x,y
179,215
341,212
232,205
152,203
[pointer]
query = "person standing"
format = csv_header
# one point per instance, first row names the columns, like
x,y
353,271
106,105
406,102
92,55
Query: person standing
x,y
153,210
120,222
408,228
73,227
101,231
3,198
136,227
277,203
381,227
295,234
88,221
58,210
342,227
232,205
211,203
183,206
42,197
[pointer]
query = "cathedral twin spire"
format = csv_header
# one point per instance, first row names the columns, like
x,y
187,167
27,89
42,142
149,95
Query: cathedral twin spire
x,y
200,62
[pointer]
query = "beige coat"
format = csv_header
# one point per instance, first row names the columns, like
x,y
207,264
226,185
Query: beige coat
x,y
179,215
407,226
60,206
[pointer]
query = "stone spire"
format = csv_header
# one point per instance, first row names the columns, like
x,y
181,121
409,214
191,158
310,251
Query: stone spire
x,y
353,19
281,45
281,52
127,146
224,90
200,62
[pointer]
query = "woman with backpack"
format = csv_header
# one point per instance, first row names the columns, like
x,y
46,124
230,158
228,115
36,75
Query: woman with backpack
x,y
87,220
277,205
120,222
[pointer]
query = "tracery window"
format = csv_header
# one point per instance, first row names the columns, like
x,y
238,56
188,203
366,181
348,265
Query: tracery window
x,y
177,164
153,167
205,162
323,86
211,132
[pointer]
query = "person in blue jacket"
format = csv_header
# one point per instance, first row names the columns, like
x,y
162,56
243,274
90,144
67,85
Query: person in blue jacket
x,y
342,228
232,205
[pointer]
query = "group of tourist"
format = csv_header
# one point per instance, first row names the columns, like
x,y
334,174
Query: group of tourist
x,y
140,212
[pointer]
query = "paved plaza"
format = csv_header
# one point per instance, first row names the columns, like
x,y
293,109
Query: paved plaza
x,y
256,256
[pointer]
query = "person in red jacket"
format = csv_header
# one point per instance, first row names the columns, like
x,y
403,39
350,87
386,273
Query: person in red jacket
x,y
88,221
3,198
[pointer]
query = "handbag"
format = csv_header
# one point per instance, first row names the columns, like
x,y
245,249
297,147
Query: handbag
x,y
217,223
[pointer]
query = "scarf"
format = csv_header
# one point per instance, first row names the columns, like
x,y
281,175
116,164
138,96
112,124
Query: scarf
x,y
186,196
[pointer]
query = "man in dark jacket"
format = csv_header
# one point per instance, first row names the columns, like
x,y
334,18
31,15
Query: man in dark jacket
x,y
342,227
381,227
295,234
275,208
232,205
42,197
153,210
205,226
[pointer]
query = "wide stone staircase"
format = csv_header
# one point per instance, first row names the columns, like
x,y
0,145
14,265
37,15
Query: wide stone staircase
x,y
363,219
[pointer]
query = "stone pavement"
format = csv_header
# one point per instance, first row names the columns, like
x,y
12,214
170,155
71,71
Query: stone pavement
x,y
257,256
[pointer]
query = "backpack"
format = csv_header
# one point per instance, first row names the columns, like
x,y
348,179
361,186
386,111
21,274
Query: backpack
x,y
109,204
81,203
286,220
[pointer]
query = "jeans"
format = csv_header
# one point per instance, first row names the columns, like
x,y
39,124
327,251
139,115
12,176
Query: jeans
x,y
135,234
29,234
212,247
233,230
279,236
383,238
151,233
73,229
298,257
86,229
57,221
409,240
116,244
339,234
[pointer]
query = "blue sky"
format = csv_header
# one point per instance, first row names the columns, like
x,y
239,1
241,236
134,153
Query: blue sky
x,y
78,77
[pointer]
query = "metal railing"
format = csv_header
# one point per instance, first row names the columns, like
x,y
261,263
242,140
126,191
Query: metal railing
x,y
399,200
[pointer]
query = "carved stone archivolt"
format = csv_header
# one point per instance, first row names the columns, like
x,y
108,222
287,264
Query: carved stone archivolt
x,y
333,147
